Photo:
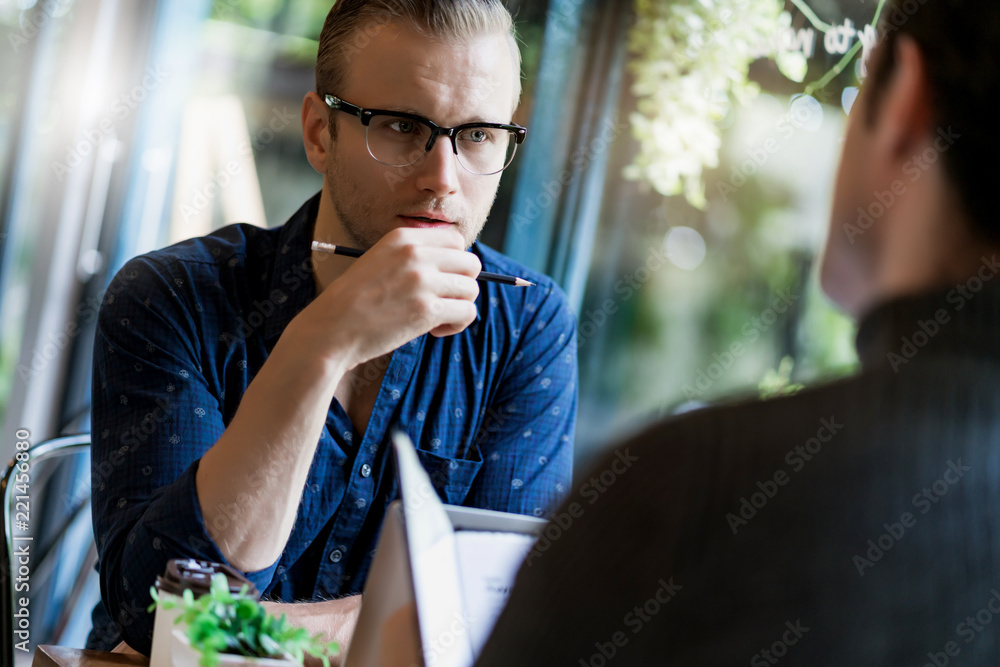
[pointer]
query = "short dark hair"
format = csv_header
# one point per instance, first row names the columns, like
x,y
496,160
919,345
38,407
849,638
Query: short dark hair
x,y
960,42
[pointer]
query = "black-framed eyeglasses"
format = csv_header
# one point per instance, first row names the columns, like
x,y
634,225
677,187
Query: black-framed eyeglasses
x,y
399,139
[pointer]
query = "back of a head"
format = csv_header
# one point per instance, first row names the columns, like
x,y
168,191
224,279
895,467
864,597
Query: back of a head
x,y
351,22
960,41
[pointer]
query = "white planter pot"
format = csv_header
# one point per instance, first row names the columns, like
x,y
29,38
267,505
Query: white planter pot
x,y
184,655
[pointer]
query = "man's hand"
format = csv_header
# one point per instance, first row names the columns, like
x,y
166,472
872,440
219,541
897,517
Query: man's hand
x,y
412,282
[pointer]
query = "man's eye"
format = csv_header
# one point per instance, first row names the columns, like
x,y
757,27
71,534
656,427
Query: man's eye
x,y
403,126
476,135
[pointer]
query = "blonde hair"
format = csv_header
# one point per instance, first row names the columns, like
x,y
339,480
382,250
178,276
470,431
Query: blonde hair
x,y
352,23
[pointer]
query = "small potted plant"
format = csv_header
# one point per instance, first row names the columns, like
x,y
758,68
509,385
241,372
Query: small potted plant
x,y
222,628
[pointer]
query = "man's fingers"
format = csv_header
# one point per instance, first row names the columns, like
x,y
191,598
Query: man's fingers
x,y
450,317
455,286
450,260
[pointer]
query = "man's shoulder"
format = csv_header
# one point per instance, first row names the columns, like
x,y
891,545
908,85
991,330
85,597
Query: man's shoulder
x,y
768,428
852,425
182,276
227,246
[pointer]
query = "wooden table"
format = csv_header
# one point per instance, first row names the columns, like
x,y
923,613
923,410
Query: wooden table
x,y
60,656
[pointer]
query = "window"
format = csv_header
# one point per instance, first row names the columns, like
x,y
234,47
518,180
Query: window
x,y
681,306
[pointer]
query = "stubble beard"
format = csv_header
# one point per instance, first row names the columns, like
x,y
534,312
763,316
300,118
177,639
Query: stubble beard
x,y
353,209
356,211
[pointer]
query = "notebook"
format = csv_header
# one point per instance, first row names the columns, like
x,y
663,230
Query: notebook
x,y
456,564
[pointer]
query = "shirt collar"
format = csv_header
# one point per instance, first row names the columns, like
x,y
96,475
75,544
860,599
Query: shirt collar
x,y
964,320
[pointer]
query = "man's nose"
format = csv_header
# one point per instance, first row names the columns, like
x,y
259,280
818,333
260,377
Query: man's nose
x,y
438,170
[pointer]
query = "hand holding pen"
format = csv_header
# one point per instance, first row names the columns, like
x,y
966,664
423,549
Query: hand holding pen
x,y
486,276
410,283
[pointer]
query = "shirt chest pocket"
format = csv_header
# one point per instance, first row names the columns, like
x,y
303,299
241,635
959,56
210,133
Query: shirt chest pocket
x,y
452,477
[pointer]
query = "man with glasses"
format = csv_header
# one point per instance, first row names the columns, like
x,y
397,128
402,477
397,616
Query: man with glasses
x,y
246,387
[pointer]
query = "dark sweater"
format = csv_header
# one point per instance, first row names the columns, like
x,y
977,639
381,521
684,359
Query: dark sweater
x,y
857,523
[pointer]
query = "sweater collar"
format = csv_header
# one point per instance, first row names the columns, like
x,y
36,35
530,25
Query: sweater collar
x,y
963,319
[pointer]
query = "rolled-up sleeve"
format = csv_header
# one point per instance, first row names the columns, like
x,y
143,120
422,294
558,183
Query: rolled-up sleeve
x,y
154,416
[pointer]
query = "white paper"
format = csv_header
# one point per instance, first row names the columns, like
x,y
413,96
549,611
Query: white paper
x,y
487,565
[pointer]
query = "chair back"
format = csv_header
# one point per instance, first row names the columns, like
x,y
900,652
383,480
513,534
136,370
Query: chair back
x,y
44,509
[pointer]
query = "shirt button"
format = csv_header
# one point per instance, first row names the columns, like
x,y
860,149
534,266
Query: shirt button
x,y
336,555
366,470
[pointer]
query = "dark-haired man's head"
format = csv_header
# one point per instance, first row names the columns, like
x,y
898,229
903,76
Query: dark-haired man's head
x,y
913,203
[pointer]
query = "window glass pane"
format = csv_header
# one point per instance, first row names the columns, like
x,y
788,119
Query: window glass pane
x,y
240,155
685,307
12,74
23,47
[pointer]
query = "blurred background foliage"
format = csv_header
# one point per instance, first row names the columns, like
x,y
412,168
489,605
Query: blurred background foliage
x,y
668,346
720,266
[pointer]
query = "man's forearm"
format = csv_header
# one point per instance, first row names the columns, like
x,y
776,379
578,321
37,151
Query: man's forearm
x,y
250,482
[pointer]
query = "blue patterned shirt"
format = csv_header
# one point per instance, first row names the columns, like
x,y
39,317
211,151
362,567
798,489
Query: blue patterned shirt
x,y
183,331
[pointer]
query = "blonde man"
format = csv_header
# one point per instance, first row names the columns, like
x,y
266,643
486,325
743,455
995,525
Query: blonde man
x,y
275,376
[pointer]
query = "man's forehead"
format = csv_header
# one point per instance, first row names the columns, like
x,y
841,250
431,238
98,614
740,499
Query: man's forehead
x,y
405,70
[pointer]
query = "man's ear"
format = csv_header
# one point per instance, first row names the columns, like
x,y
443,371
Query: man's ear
x,y
904,113
316,131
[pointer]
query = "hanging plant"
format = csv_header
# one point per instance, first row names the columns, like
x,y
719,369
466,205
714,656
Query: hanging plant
x,y
690,57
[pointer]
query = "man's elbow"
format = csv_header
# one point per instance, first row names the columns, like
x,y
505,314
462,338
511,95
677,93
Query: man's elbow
x,y
136,626
132,621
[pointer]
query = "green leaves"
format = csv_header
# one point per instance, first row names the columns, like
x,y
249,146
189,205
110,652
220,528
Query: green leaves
x,y
221,622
